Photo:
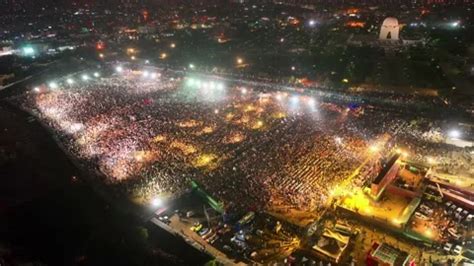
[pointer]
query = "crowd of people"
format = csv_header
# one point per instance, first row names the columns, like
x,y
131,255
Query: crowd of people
x,y
247,146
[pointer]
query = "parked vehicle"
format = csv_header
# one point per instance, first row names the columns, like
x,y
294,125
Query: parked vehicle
x,y
209,234
457,249
196,227
469,218
447,247
448,204
451,209
203,231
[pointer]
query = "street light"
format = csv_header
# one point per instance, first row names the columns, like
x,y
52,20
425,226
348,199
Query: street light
x,y
173,45
96,74
293,68
239,60
191,66
85,77
70,81
119,69
312,22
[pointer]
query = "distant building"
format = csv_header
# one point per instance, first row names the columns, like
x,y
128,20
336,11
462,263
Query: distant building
x,y
390,29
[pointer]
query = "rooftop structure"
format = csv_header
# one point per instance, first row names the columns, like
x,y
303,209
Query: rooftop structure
x,y
390,29
386,255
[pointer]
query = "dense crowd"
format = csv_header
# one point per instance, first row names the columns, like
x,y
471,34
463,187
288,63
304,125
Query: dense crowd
x,y
247,146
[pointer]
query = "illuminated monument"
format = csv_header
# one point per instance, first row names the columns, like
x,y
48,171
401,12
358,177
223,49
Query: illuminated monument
x,y
390,29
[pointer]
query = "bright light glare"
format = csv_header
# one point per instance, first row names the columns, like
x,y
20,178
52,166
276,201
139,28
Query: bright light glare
x,y
85,77
454,133
154,75
312,22
198,83
338,140
455,24
96,74
173,45
146,74
244,91
216,111
431,160
156,202
220,86
36,89
191,66
295,99
374,148
190,82
76,127
70,81
311,101
240,61
28,50
119,69
53,85
279,97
